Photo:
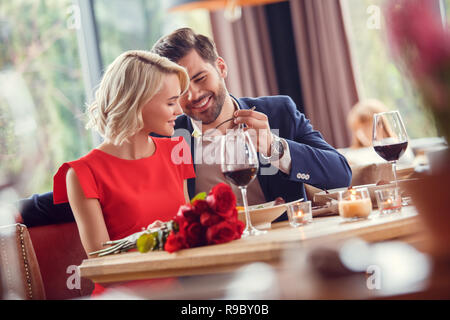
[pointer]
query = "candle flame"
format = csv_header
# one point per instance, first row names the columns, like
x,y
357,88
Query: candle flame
x,y
299,214
352,194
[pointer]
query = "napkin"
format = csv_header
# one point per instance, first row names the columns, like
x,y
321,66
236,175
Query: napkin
x,y
329,209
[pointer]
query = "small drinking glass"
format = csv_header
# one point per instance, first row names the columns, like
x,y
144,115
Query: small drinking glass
x,y
354,204
389,200
299,213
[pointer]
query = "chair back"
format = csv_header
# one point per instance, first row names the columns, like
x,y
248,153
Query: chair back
x,y
59,252
20,273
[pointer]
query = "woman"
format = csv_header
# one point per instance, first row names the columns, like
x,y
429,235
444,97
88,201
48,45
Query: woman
x,y
129,180
360,119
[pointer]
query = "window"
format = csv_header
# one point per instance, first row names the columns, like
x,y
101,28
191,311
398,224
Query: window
x,y
447,9
377,75
138,24
41,93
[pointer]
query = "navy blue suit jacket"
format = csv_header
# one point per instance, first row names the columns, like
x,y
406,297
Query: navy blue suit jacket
x,y
313,161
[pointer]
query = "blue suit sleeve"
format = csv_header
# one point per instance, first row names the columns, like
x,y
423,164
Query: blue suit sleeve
x,y
313,160
39,210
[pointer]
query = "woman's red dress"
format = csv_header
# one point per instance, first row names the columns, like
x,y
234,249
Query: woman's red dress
x,y
132,193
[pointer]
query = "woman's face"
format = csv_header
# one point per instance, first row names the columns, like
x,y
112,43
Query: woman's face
x,y
160,112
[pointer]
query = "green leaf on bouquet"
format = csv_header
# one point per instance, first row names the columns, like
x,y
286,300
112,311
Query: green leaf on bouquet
x,y
199,196
162,238
146,242
172,225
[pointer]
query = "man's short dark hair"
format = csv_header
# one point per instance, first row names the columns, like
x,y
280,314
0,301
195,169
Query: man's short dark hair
x,y
180,42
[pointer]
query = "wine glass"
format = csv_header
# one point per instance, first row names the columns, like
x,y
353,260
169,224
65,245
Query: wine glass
x,y
239,165
390,139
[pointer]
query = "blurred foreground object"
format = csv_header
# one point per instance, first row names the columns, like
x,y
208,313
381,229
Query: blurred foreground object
x,y
355,269
421,45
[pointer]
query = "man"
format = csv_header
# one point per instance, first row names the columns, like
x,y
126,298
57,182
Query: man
x,y
295,155
299,152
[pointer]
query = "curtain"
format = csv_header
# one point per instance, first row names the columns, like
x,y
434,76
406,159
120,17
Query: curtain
x,y
245,47
325,67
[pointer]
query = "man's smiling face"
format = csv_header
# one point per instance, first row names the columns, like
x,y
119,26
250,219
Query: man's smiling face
x,y
207,91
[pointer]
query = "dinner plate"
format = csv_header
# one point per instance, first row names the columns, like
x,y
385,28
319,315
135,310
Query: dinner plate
x,y
263,214
321,198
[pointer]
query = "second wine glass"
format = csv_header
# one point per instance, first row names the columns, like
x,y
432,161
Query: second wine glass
x,y
390,139
239,164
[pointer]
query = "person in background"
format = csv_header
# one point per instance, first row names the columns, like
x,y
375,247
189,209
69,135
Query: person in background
x,y
367,166
360,119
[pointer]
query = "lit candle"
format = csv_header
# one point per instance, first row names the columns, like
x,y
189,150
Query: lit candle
x,y
299,213
387,204
389,200
390,204
355,204
298,216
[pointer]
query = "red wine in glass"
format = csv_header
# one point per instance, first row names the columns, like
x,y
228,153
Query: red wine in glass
x,y
390,139
391,152
239,165
241,177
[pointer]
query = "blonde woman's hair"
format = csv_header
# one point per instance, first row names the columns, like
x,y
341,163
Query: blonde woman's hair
x,y
363,112
129,82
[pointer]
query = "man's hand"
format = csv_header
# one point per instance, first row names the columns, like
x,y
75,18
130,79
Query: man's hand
x,y
258,124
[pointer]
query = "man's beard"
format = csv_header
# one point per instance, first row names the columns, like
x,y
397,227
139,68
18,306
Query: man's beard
x,y
210,115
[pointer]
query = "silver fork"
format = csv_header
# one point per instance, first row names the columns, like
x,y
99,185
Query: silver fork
x,y
253,108
129,242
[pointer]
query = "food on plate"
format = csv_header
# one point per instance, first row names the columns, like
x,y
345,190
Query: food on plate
x,y
382,182
278,201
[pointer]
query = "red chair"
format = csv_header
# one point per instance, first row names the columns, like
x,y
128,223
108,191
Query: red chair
x,y
40,262
59,250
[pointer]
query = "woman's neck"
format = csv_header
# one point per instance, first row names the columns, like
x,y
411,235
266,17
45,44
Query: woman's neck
x,y
138,146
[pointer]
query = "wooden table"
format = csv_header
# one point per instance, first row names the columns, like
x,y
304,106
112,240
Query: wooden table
x,y
265,248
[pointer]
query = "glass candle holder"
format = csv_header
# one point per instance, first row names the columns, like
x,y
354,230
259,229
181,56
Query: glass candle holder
x,y
389,200
299,213
355,204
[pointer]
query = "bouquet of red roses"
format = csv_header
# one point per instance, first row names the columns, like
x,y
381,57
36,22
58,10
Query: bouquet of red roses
x,y
208,219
